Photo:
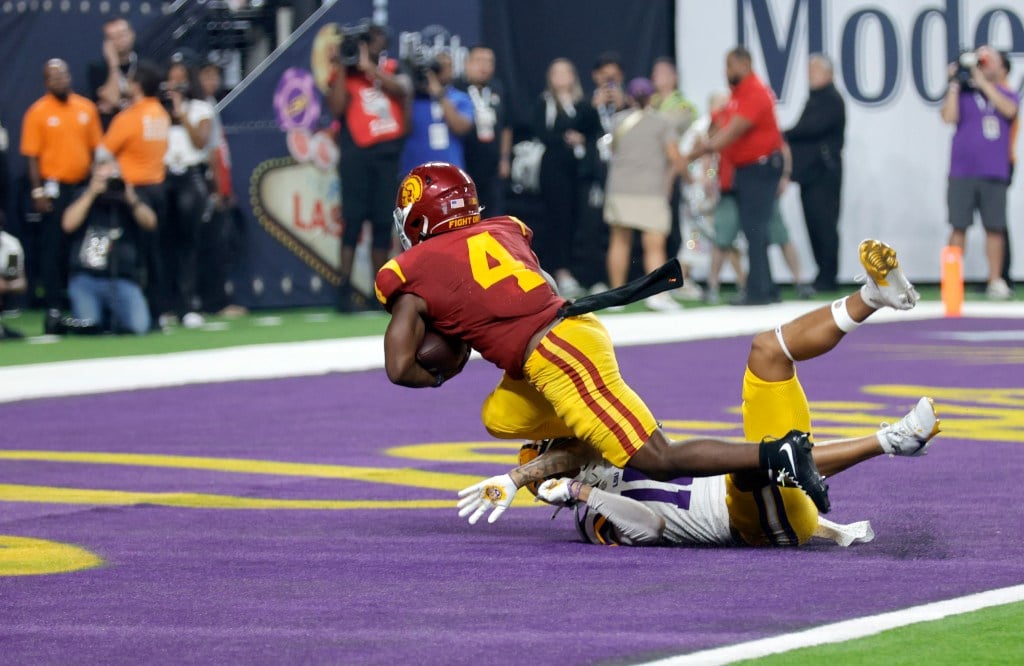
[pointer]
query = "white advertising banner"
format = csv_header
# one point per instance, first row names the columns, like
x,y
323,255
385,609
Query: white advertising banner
x,y
890,66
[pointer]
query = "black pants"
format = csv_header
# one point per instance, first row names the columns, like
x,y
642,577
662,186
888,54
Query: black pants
x,y
755,188
675,232
187,209
369,180
54,248
821,202
154,279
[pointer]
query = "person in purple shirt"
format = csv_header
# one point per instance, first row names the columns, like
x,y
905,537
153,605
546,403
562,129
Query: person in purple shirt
x,y
983,110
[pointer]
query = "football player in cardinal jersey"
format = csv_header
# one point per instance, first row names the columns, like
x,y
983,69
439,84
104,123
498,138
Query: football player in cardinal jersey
x,y
624,506
478,279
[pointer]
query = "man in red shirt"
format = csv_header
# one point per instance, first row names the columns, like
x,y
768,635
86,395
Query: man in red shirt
x,y
368,95
479,280
752,142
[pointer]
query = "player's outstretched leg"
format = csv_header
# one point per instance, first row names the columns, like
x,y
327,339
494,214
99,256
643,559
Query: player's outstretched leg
x,y
909,436
774,352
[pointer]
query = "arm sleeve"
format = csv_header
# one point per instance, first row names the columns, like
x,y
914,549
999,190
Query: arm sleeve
x,y
634,520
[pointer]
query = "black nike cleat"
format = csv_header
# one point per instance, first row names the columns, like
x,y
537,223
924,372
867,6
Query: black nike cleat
x,y
789,462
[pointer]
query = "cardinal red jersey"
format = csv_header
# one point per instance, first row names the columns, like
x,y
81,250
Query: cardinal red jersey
x,y
481,284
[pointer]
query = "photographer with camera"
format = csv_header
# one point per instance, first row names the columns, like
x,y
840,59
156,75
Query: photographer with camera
x,y
106,223
368,96
187,195
441,113
983,109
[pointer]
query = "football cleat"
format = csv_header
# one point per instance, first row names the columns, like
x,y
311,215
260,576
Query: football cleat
x,y
884,282
789,463
911,435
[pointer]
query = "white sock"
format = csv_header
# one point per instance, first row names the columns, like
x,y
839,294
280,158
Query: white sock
x,y
884,441
842,317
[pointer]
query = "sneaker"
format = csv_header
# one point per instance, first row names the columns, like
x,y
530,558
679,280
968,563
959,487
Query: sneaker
x,y
712,296
661,303
789,462
998,290
885,284
9,333
910,436
598,288
690,291
805,291
568,287
192,320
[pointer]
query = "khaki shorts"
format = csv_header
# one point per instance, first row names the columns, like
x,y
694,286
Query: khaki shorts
x,y
727,223
638,211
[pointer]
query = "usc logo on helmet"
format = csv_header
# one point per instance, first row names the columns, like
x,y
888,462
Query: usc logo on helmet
x,y
411,190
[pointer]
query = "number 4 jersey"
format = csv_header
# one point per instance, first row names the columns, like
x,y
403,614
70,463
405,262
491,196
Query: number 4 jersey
x,y
481,284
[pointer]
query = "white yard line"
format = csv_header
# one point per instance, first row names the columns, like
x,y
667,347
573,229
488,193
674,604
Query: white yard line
x,y
847,630
270,361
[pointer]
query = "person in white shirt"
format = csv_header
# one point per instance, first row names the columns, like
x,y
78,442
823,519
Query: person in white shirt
x,y
188,153
622,506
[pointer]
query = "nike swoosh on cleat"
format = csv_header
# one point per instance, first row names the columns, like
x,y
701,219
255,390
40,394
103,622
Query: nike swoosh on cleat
x,y
788,449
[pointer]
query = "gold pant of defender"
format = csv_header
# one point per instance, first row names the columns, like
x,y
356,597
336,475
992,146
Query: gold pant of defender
x,y
769,515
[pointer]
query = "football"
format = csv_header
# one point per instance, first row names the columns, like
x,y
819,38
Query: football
x,y
442,353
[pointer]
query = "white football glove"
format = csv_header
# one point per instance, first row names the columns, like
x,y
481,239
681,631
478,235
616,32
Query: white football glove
x,y
558,492
494,493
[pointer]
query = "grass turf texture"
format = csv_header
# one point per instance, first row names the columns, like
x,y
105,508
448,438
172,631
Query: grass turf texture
x,y
987,636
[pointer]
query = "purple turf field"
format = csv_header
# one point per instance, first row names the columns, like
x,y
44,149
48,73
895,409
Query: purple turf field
x,y
181,582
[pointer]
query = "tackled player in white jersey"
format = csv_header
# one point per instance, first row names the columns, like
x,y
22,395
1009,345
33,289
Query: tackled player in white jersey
x,y
617,506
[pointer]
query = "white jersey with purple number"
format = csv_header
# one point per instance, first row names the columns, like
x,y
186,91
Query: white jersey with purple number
x,y
694,510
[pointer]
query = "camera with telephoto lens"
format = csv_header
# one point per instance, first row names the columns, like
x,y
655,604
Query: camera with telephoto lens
x,y
114,194
966,61
165,98
351,37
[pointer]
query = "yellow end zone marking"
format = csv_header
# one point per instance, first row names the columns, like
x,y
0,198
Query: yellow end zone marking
x,y
24,556
10,492
460,452
386,475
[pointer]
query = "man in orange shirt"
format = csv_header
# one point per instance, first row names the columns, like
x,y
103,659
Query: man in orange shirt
x,y
137,139
59,133
752,142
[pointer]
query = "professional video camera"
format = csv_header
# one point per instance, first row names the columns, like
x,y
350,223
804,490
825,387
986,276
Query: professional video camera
x,y
418,52
964,63
351,37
